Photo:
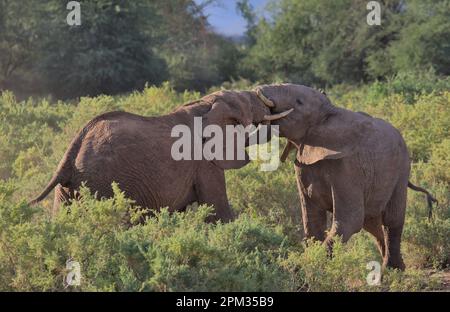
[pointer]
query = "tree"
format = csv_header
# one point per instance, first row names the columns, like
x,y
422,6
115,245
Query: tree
x,y
327,42
197,58
424,37
245,8
109,53
18,36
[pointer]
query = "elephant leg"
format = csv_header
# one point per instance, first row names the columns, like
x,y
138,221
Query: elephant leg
x,y
314,218
348,211
211,190
314,215
62,196
393,221
375,227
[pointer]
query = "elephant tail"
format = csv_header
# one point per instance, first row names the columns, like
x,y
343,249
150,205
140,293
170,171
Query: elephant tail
x,y
430,198
64,172
62,176
51,185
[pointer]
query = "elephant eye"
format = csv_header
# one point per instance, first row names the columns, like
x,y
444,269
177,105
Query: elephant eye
x,y
299,102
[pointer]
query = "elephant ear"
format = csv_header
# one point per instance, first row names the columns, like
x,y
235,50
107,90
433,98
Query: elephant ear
x,y
222,114
336,138
309,155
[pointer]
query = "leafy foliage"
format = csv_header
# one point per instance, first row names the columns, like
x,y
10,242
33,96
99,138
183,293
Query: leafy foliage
x,y
106,54
260,251
122,45
119,47
326,43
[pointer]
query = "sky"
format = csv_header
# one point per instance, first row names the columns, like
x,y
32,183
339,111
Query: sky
x,y
226,20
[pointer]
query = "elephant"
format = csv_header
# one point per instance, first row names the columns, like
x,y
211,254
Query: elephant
x,y
348,163
135,152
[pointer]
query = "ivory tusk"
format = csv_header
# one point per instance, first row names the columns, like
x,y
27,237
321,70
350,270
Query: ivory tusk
x,y
263,98
278,116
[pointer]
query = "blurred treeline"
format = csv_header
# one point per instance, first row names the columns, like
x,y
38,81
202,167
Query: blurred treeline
x,y
122,45
329,42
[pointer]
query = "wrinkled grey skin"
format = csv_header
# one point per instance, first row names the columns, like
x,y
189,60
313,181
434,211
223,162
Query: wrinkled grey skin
x,y
350,164
135,152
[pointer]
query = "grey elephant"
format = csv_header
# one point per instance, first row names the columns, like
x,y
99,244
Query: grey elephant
x,y
136,152
348,163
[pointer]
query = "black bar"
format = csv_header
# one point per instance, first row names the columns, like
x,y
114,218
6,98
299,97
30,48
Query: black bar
x,y
225,301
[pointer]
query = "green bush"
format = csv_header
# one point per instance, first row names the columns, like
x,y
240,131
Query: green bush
x,y
178,252
345,271
168,252
410,84
261,250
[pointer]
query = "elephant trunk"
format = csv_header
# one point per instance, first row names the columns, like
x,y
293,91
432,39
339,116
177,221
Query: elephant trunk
x,y
269,103
289,147
264,99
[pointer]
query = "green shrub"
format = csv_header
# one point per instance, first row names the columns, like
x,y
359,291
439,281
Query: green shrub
x,y
168,252
410,84
260,250
252,191
345,271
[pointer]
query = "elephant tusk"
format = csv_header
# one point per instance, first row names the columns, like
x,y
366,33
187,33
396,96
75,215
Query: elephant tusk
x,y
278,116
263,98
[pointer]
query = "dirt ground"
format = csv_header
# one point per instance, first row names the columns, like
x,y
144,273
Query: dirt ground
x,y
445,277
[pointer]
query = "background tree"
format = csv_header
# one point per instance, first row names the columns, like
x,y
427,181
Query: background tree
x,y
108,53
18,36
423,37
319,41
121,45
328,42
197,58
245,8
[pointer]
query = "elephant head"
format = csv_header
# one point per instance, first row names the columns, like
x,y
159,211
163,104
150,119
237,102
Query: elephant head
x,y
230,108
310,122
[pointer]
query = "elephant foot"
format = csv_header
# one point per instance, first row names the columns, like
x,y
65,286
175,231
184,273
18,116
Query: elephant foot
x,y
394,258
395,263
